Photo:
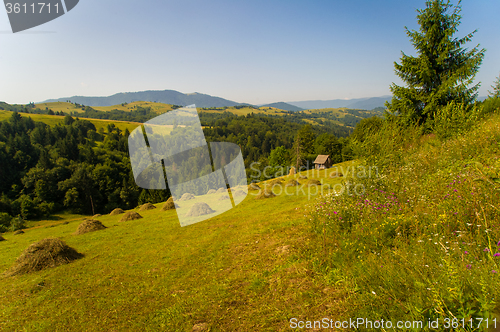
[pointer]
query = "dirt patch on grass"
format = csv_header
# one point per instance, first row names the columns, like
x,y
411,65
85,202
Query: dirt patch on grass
x,y
132,215
90,225
116,211
199,209
169,205
147,206
44,254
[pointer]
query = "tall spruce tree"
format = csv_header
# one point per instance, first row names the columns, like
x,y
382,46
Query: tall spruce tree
x,y
443,69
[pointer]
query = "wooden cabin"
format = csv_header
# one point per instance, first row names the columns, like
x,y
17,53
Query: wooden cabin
x,y
322,161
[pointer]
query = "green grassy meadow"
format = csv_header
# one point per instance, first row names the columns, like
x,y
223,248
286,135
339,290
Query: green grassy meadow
x,y
245,270
53,120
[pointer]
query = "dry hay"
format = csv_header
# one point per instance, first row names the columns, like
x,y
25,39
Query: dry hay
x,y
302,177
169,205
336,174
116,212
2,238
132,215
186,197
89,225
266,193
199,209
313,182
211,191
19,231
44,254
292,183
223,198
147,206
96,215
221,190
253,186
238,193
292,171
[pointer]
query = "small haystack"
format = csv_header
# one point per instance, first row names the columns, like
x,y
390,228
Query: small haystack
x,y
186,197
116,212
46,253
223,198
169,205
147,206
199,209
132,215
221,190
238,193
292,183
336,174
97,215
292,171
211,191
19,231
253,186
302,177
2,238
266,193
313,182
89,225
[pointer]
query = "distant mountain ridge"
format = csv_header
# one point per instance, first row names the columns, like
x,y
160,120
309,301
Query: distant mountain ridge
x,y
283,106
357,103
171,97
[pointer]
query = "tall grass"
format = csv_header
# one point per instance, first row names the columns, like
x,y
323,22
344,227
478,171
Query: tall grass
x,y
423,240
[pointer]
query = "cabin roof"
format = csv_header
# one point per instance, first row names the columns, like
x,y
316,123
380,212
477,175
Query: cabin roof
x,y
321,158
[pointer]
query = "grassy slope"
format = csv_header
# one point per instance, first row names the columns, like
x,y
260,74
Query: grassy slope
x,y
53,120
244,270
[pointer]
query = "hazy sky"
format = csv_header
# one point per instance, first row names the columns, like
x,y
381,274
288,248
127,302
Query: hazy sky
x,y
256,51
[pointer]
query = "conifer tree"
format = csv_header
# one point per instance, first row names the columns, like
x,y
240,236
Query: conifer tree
x,y
443,69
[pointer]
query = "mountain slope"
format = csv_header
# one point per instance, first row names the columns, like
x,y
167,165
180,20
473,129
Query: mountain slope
x,y
161,96
284,106
358,103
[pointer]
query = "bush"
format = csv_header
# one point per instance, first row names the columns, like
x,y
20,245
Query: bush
x,y
455,119
17,224
5,220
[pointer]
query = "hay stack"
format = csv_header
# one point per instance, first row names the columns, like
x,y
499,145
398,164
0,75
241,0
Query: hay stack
x,y
89,225
336,174
97,215
147,206
292,171
2,238
19,231
292,183
313,182
253,186
116,212
44,254
132,215
302,177
199,209
221,190
223,198
169,205
266,193
238,193
186,197
211,191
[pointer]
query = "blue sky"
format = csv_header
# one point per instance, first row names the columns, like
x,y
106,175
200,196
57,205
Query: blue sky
x,y
247,51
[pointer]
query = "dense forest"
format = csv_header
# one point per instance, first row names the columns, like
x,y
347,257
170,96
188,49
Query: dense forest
x,y
74,167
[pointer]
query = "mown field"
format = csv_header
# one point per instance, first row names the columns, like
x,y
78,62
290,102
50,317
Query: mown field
x,y
53,120
248,269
